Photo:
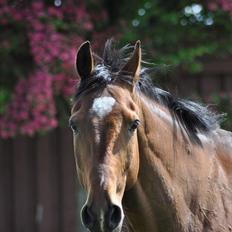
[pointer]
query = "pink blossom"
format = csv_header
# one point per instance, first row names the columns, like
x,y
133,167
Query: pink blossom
x,y
37,6
33,102
4,134
56,12
53,123
213,6
2,2
225,5
88,26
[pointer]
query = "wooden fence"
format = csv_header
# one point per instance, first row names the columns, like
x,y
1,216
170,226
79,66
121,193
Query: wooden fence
x,y
38,189
215,78
38,184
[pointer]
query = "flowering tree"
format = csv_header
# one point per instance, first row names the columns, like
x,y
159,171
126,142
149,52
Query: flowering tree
x,y
38,45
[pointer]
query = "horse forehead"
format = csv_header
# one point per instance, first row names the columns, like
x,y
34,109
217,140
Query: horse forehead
x,y
103,105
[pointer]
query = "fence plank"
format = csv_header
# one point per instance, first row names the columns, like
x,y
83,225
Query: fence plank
x,y
68,176
24,189
187,85
228,83
217,66
47,213
6,186
209,84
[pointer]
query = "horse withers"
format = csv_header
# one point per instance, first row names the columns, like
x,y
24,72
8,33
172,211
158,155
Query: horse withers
x,y
147,160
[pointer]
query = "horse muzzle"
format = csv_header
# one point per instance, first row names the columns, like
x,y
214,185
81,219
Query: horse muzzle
x,y
108,219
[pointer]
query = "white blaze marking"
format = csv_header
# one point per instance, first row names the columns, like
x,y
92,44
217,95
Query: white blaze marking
x,y
102,106
102,175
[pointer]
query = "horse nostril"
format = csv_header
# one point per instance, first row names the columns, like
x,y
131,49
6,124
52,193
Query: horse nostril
x,y
115,216
87,217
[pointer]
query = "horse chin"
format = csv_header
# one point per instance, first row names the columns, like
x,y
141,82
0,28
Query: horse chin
x,y
118,229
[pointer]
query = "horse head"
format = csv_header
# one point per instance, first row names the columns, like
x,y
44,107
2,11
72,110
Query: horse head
x,y
104,120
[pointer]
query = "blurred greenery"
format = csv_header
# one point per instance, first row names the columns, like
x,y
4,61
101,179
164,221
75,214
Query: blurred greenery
x,y
224,104
4,98
175,32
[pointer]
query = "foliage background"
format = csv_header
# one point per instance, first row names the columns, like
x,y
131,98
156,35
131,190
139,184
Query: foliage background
x,y
38,42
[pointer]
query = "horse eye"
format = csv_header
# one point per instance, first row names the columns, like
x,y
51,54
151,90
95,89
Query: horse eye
x,y
73,126
134,125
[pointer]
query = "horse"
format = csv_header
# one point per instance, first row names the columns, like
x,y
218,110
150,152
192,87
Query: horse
x,y
148,161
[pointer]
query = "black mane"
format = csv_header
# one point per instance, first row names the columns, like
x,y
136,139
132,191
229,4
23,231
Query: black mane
x,y
191,116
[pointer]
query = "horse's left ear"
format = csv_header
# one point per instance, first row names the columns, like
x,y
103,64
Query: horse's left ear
x,y
133,65
84,60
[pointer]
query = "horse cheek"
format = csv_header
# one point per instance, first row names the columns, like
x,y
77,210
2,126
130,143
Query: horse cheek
x,y
134,165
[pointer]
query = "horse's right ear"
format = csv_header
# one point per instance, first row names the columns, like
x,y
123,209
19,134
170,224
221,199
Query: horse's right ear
x,y
133,65
84,60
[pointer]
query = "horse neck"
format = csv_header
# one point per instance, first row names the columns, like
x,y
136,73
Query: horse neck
x,y
164,155
161,141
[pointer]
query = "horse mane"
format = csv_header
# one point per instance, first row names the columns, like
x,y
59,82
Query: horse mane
x,y
192,117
